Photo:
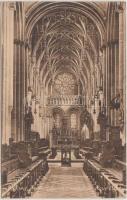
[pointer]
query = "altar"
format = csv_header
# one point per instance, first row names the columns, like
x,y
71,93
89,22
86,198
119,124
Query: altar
x,y
59,135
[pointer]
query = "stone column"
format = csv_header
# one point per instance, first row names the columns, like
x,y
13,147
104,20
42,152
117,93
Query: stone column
x,y
19,90
104,53
110,79
19,75
42,129
7,34
122,66
78,87
122,45
14,116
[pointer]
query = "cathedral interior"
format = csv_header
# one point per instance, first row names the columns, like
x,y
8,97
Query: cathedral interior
x,y
63,128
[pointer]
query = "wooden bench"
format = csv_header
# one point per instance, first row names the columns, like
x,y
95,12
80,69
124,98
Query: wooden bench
x,y
10,165
34,158
7,168
105,183
120,164
44,151
86,153
23,184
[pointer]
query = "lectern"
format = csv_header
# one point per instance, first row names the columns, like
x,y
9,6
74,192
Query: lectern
x,y
66,156
66,153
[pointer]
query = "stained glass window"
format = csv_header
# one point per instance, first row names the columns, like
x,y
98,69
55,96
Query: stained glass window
x,y
57,121
73,121
64,84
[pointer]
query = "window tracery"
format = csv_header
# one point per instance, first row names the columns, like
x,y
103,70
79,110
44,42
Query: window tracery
x,y
64,84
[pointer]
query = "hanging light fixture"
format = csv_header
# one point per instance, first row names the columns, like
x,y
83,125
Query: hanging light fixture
x,y
29,96
40,111
35,110
95,97
94,111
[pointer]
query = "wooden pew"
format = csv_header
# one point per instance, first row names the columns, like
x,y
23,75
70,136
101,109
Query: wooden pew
x,y
44,151
105,183
86,152
22,185
7,168
120,165
53,153
77,153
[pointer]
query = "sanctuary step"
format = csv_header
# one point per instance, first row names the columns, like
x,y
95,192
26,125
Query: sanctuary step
x,y
58,158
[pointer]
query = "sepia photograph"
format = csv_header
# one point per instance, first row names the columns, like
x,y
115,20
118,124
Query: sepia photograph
x,y
63,99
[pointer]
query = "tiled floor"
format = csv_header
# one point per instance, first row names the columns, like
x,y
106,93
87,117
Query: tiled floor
x,y
65,182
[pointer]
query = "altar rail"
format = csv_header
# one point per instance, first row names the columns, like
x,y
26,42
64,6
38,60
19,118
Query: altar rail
x,y
23,184
66,100
104,182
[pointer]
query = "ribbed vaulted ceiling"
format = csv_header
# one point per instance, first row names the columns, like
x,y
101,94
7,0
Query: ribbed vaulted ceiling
x,y
66,37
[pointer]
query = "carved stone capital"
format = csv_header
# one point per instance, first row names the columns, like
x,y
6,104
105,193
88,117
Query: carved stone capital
x,y
103,47
12,6
26,43
19,42
113,42
120,7
10,108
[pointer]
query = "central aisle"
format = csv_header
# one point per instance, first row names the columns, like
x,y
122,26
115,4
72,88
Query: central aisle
x,y
65,182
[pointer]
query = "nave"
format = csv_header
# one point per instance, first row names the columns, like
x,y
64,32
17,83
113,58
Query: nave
x,y
82,177
63,182
63,99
